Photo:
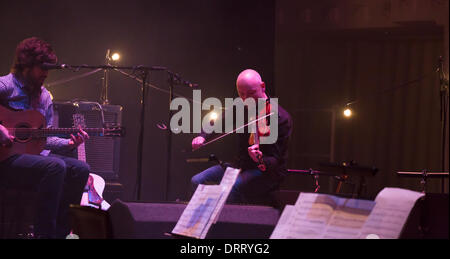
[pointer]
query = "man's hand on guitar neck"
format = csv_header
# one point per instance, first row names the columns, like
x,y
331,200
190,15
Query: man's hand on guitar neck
x,y
77,140
5,138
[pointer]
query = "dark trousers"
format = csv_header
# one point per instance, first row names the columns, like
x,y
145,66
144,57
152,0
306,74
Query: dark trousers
x,y
59,181
252,186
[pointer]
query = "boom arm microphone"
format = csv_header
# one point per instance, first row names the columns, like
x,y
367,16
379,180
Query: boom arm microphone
x,y
48,66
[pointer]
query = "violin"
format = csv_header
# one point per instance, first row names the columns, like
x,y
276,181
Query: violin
x,y
262,129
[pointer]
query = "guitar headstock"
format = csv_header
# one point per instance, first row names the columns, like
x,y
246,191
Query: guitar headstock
x,y
109,131
114,131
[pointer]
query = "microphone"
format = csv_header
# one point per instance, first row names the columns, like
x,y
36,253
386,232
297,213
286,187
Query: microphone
x,y
176,79
48,66
189,84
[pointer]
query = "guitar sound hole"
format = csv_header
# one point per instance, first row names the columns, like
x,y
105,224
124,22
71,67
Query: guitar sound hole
x,y
22,136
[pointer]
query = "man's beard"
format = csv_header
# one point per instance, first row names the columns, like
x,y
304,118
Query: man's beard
x,y
33,86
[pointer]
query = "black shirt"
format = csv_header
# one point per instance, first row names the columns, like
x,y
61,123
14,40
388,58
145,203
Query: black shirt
x,y
274,155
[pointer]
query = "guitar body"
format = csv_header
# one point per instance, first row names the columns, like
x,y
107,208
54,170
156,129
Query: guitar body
x,y
22,119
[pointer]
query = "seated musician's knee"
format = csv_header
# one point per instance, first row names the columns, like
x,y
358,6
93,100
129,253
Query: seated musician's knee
x,y
54,173
83,168
84,171
213,174
78,170
55,166
196,180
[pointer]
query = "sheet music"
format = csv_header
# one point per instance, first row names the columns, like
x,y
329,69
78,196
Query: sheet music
x,y
393,206
105,205
326,216
348,218
308,219
320,221
280,228
227,182
196,218
229,177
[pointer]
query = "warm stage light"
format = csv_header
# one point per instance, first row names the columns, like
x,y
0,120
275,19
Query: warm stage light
x,y
115,56
347,112
213,116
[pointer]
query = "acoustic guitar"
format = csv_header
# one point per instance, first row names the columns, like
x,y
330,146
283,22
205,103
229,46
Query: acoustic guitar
x,y
30,132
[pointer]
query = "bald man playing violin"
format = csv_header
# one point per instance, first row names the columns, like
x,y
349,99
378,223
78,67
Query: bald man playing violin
x,y
263,166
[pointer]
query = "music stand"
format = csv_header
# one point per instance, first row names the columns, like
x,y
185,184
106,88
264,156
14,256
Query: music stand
x,y
424,174
342,171
314,173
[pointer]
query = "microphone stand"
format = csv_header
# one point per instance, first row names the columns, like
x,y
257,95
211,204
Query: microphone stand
x,y
173,80
144,90
443,93
144,72
105,85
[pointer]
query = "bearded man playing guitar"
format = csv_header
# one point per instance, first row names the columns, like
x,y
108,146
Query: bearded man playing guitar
x,y
59,180
263,167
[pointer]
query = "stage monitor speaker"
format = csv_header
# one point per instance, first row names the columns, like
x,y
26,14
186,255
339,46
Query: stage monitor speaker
x,y
89,223
102,153
429,218
153,220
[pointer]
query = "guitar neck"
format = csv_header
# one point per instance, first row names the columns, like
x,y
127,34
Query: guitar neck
x,y
82,152
51,132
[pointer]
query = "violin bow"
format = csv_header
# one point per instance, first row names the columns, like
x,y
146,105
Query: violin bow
x,y
228,133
